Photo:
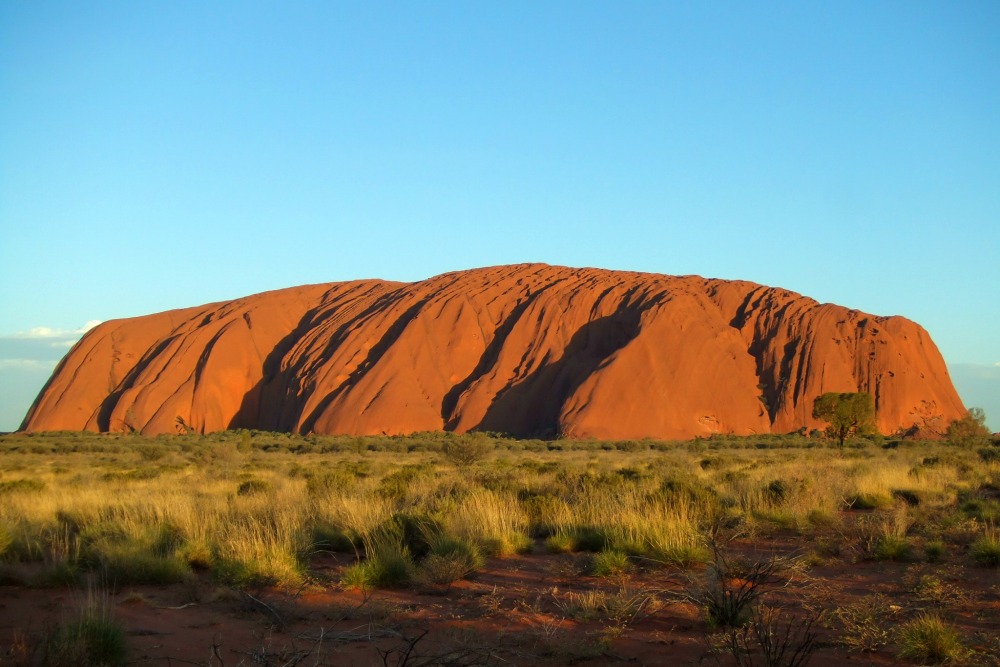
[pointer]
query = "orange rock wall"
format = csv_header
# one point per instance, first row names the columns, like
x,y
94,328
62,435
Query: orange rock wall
x,y
531,350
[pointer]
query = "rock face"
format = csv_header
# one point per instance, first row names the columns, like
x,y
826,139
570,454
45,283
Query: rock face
x,y
529,350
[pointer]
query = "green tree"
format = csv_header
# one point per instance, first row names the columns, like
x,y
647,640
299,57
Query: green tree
x,y
970,430
846,413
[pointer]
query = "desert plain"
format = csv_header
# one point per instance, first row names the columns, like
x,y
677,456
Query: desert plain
x,y
257,548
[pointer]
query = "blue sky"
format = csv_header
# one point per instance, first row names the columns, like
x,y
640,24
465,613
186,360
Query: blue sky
x,y
161,155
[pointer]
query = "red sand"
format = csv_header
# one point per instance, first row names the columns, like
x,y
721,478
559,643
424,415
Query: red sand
x,y
511,611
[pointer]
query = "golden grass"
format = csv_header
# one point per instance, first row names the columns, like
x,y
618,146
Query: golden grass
x,y
77,499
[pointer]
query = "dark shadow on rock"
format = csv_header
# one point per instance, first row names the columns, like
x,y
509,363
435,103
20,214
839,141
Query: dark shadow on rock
x,y
275,402
531,406
111,401
377,351
489,358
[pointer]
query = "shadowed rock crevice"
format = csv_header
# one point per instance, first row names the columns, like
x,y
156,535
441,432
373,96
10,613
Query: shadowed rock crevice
x,y
109,404
531,406
377,351
488,359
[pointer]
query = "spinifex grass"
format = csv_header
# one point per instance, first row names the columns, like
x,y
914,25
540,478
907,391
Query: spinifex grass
x,y
254,507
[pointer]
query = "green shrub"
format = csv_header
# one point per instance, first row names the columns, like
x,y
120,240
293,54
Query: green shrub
x,y
983,509
891,547
560,543
609,563
330,538
989,454
449,560
467,450
986,550
868,501
414,530
397,484
461,550
589,538
93,639
542,511
506,545
935,551
777,491
930,640
820,518
129,564
386,569
197,554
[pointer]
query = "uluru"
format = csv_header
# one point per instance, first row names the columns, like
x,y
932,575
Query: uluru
x,y
529,350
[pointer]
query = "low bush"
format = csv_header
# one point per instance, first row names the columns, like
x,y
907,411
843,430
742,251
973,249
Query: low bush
x,y
330,538
449,560
729,589
130,564
868,501
985,551
389,568
930,640
773,639
892,547
935,551
609,563
93,639
560,543
468,450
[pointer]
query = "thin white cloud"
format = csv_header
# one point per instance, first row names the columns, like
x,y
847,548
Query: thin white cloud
x,y
50,332
28,364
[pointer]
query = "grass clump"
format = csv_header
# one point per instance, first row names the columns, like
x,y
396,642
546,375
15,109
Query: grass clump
x,y
388,568
610,563
869,501
130,564
930,640
892,548
22,486
985,551
252,487
251,552
448,560
560,543
93,639
935,551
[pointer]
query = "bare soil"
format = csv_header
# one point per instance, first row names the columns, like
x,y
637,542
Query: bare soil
x,y
513,612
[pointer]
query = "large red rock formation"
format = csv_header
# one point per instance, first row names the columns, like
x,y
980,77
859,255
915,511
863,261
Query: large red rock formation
x,y
527,350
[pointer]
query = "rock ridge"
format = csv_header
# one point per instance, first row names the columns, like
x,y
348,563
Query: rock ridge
x,y
529,350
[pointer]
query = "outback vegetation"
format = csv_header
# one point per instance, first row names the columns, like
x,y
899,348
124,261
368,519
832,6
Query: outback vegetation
x,y
263,548
850,413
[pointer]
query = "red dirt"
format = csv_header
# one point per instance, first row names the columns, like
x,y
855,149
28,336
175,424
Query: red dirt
x,y
527,350
511,611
